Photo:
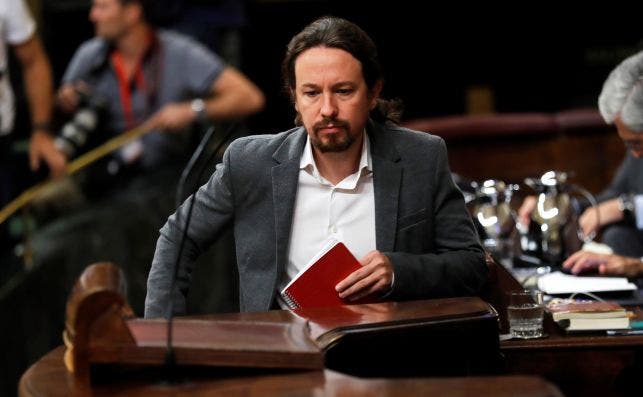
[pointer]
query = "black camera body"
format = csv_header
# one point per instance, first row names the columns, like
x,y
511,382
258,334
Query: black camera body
x,y
74,134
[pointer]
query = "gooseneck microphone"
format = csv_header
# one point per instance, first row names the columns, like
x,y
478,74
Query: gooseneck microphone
x,y
170,359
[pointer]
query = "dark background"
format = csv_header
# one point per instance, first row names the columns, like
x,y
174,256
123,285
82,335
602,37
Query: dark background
x,y
538,56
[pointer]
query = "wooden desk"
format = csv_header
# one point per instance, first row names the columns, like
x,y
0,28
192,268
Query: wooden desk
x,y
580,364
48,377
590,364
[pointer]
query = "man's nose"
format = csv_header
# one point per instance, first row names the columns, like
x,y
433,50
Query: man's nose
x,y
329,107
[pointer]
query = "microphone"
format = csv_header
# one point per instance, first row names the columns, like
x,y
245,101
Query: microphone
x,y
170,358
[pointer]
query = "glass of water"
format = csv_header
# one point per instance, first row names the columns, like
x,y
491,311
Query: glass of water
x,y
525,312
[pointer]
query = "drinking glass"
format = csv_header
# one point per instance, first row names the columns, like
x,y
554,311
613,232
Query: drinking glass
x,y
525,312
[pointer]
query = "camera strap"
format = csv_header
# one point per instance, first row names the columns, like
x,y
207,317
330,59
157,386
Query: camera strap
x,y
152,57
124,86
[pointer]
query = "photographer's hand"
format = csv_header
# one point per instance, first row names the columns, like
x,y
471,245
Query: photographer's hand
x,y
68,97
172,117
41,147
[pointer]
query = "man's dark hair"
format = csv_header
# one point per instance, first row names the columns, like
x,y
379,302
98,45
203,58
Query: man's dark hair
x,y
157,12
339,33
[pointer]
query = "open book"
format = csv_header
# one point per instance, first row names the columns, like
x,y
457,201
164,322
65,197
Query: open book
x,y
314,285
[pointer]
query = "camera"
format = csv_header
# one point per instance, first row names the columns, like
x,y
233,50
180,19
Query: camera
x,y
73,134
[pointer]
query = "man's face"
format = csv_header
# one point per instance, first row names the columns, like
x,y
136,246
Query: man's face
x,y
331,97
633,141
110,18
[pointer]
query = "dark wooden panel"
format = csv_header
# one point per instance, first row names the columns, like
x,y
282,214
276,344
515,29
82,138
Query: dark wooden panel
x,y
511,147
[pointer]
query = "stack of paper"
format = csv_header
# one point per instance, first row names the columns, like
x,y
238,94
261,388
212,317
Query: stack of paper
x,y
559,283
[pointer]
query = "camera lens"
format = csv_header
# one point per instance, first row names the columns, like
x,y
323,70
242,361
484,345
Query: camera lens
x,y
74,133
87,119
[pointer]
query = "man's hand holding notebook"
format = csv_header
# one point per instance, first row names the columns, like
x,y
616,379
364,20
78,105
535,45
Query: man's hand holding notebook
x,y
315,285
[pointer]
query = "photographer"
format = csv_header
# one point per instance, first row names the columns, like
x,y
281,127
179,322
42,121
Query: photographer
x,y
131,75
149,76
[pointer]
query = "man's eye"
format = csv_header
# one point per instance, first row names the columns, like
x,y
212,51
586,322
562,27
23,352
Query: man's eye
x,y
310,93
344,91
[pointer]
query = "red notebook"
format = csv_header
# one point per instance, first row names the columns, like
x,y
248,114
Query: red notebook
x,y
314,285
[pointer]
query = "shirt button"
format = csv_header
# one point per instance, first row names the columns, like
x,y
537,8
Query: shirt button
x,y
333,229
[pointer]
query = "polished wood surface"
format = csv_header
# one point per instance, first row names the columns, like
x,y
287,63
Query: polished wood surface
x,y
581,364
460,334
217,343
95,311
327,324
48,378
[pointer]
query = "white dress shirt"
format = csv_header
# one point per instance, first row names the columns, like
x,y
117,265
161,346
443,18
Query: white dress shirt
x,y
16,27
345,211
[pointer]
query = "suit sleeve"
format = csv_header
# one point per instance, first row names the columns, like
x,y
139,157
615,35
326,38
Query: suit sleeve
x,y
455,265
621,182
213,210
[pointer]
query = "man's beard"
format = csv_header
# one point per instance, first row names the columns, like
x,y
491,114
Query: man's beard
x,y
333,143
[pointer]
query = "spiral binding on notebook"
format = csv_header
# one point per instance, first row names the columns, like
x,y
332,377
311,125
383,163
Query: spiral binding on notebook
x,y
290,301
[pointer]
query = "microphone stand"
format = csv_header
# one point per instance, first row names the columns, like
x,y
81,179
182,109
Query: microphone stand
x,y
170,358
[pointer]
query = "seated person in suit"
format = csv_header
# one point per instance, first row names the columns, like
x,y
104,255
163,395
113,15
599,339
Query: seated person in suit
x,y
346,171
621,204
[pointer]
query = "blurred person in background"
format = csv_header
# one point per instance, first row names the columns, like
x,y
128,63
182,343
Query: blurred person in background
x,y
621,204
18,32
132,74
145,74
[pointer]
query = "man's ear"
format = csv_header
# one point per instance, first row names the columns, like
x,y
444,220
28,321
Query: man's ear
x,y
375,93
293,97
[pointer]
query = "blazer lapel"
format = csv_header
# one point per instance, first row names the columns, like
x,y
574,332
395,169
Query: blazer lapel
x,y
387,177
285,178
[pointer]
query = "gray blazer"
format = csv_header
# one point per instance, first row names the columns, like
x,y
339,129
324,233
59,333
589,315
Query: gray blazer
x,y
421,222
